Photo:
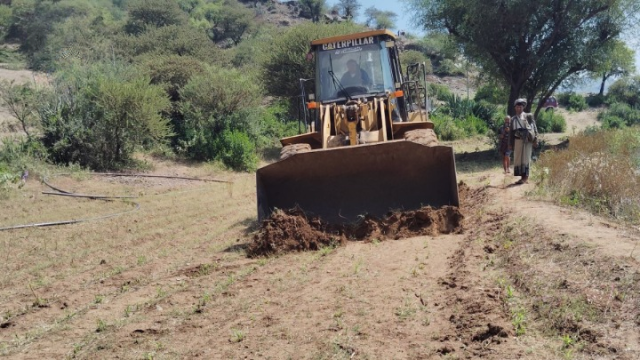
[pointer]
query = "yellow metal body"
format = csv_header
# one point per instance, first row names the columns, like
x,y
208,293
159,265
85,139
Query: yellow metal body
x,y
359,161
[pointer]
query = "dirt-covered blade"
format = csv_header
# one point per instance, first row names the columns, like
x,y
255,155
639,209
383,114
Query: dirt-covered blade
x,y
342,184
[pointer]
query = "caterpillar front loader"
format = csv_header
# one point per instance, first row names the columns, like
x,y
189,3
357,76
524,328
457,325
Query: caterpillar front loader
x,y
369,147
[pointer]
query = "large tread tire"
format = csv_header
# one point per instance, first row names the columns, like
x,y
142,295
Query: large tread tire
x,y
293,149
425,137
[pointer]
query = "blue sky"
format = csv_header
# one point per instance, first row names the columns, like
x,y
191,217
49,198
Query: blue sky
x,y
403,21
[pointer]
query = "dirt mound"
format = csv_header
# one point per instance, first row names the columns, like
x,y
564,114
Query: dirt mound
x,y
292,230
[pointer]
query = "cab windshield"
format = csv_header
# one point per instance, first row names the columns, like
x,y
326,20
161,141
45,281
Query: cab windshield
x,y
352,71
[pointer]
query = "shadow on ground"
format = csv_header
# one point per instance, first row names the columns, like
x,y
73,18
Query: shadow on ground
x,y
469,162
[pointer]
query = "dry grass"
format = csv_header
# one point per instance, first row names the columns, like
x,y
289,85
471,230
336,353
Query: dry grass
x,y
572,292
598,171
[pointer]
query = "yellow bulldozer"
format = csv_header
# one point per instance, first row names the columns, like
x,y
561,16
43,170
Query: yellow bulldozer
x,y
368,146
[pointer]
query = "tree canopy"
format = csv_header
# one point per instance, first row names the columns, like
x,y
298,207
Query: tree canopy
x,y
380,19
532,46
618,61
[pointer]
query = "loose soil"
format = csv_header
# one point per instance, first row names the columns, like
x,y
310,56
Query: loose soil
x,y
192,274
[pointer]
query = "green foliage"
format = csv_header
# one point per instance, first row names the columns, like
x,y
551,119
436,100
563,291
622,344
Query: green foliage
x,y
233,23
625,90
18,101
446,127
550,122
380,19
286,61
172,72
492,93
437,47
236,150
312,9
349,8
490,37
456,106
275,125
169,40
619,115
459,118
440,92
563,98
577,102
97,115
449,67
86,39
5,19
220,100
18,154
34,23
145,14
595,100
412,57
617,60
253,51
598,171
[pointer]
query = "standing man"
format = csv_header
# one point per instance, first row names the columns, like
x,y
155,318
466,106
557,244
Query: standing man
x,y
522,139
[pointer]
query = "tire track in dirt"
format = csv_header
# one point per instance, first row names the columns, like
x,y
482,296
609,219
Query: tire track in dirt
x,y
574,275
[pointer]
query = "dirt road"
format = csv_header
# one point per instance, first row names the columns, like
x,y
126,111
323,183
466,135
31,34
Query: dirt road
x,y
172,280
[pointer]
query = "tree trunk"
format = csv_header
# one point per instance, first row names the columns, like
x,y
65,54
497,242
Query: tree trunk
x,y
604,78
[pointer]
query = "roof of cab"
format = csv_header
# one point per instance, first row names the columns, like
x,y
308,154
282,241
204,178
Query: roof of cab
x,y
353,36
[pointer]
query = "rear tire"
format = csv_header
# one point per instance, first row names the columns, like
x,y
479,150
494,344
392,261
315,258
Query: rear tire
x,y
425,137
293,149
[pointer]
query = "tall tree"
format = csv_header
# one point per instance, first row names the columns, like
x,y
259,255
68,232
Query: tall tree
x,y
618,61
532,45
349,8
312,9
380,19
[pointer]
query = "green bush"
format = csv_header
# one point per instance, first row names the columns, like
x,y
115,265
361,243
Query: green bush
x,y
457,106
220,100
595,100
235,150
625,90
33,23
413,57
172,72
18,154
277,124
97,115
170,40
234,22
287,63
448,67
577,102
493,94
145,14
598,172
563,98
447,128
619,115
5,19
550,122
438,91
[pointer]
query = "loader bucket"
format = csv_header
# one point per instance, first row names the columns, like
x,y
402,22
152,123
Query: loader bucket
x,y
342,184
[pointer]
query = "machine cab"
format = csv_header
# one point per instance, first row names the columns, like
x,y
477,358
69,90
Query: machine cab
x,y
353,66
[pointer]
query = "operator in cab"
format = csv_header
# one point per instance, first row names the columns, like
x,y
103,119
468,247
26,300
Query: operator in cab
x,y
355,76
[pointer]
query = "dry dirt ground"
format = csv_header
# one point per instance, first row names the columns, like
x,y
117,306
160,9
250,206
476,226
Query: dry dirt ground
x,y
172,279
